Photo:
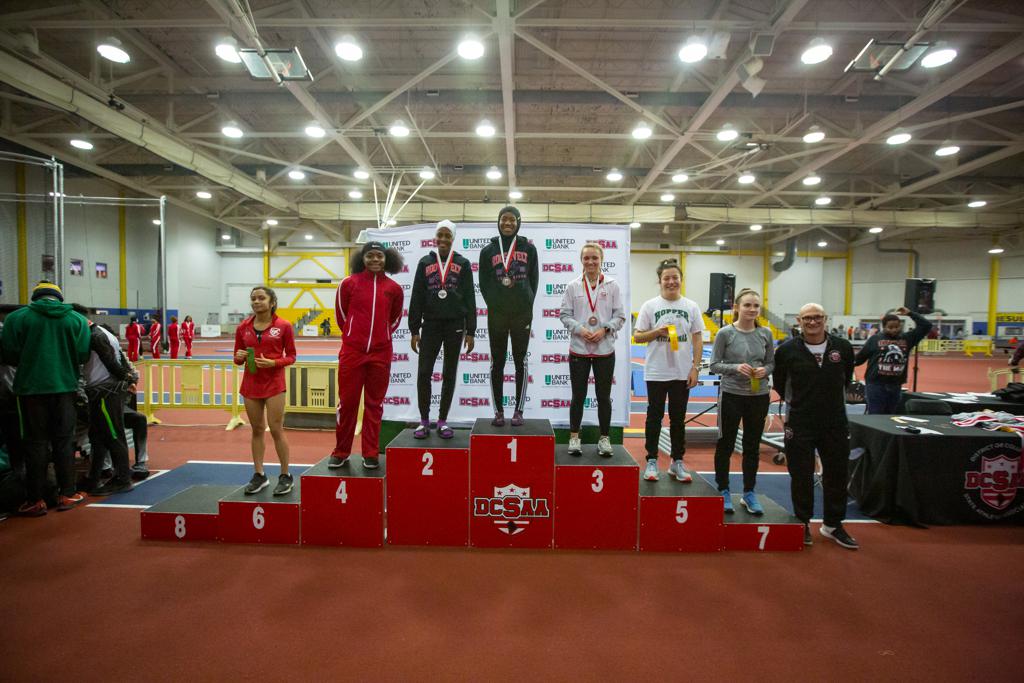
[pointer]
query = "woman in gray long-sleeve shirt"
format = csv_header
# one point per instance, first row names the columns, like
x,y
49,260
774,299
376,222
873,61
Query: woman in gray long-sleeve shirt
x,y
744,355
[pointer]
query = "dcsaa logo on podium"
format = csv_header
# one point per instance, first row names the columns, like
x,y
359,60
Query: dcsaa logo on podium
x,y
512,507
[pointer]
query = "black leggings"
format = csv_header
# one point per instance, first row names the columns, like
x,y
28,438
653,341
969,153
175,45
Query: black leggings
x,y
48,431
435,334
106,434
752,410
499,328
579,376
678,394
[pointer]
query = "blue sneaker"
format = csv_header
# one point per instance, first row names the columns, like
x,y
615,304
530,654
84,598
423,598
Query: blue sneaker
x,y
727,500
749,501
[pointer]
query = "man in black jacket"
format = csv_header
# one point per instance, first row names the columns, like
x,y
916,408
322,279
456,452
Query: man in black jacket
x,y
887,354
811,375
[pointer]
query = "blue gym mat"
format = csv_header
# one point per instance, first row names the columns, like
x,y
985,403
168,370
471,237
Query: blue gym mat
x,y
775,485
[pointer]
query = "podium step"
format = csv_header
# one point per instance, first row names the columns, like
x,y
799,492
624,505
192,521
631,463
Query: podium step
x,y
776,529
190,515
595,499
343,506
678,517
260,518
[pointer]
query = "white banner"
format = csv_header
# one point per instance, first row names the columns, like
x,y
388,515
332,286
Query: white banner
x,y
548,394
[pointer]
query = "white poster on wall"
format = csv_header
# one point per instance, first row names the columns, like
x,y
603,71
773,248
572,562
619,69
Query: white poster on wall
x,y
548,393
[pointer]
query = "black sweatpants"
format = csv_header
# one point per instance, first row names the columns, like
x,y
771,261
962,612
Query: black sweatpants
x,y
136,421
752,410
434,335
499,328
579,378
833,447
106,434
678,394
48,431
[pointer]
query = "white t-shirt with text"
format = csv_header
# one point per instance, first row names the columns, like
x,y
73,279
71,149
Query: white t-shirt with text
x,y
662,363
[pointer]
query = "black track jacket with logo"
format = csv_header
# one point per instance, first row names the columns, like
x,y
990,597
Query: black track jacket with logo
x,y
524,271
460,304
816,396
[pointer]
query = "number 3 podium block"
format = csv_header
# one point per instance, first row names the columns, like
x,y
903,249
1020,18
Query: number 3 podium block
x,y
428,490
677,517
776,529
511,481
260,518
190,515
596,500
343,506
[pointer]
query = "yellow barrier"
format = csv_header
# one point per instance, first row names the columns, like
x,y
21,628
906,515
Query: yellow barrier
x,y
1012,374
968,346
973,346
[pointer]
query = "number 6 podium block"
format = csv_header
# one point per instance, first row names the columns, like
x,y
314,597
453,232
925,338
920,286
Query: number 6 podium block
x,y
511,482
190,515
259,518
428,490
678,517
595,499
343,506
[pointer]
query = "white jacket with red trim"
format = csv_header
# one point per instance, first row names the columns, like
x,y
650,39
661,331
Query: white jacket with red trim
x,y
368,307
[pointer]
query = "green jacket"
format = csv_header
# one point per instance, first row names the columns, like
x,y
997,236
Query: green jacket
x,y
47,341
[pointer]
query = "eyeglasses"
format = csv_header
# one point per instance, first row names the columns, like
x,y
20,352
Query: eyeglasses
x,y
813,318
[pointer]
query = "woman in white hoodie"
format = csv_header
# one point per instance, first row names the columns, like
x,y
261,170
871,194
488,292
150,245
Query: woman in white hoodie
x,y
592,311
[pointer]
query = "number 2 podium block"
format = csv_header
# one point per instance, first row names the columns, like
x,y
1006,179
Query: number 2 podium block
x,y
259,518
343,506
677,517
190,515
511,481
428,490
776,529
595,500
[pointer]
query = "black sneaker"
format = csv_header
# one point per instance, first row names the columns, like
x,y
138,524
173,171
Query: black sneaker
x,y
371,463
284,485
111,487
808,539
257,483
839,535
337,461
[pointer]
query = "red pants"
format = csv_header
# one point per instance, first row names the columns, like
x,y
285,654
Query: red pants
x,y
174,349
188,347
133,350
154,347
370,377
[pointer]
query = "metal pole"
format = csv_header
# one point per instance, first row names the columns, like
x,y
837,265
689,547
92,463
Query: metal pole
x,y
161,285
60,222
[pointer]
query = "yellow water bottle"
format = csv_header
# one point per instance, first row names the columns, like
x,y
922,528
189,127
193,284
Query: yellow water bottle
x,y
755,381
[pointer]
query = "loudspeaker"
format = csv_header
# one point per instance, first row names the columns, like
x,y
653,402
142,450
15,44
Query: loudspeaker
x,y
722,291
919,294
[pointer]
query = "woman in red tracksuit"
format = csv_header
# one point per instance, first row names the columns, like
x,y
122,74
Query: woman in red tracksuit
x,y
368,307
188,332
154,338
172,337
133,333
265,344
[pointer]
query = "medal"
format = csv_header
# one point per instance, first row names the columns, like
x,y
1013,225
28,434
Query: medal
x,y
442,271
505,260
593,321
592,300
443,294
507,281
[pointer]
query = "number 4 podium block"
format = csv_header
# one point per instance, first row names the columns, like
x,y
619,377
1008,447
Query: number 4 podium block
x,y
595,499
511,481
190,515
343,506
259,518
678,517
776,529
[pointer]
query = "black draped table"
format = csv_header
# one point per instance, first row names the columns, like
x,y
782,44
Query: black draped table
x,y
963,475
959,405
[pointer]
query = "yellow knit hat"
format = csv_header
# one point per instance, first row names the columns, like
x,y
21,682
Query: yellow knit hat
x,y
45,288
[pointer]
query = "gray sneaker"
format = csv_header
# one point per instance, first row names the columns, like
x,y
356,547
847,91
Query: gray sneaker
x,y
651,471
575,446
677,470
256,484
337,461
604,447
284,485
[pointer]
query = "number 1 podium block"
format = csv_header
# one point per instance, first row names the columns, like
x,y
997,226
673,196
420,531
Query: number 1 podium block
x,y
595,500
343,506
511,482
259,518
190,515
428,489
776,529
678,517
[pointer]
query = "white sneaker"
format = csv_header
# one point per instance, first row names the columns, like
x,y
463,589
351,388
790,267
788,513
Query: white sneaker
x,y
677,470
651,471
604,446
575,447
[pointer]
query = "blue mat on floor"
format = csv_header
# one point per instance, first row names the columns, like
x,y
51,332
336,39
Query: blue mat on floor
x,y
775,485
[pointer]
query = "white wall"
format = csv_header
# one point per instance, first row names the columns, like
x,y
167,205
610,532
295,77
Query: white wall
x,y
239,274
193,267
791,289
833,285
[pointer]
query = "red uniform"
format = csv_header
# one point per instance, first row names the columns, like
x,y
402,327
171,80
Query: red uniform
x,y
154,338
276,343
188,331
368,307
133,333
172,336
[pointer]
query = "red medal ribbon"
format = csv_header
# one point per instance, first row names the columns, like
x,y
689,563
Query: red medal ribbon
x,y
443,270
592,301
505,260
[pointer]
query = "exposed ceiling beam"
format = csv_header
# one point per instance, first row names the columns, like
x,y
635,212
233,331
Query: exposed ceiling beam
x,y
506,55
883,236
785,236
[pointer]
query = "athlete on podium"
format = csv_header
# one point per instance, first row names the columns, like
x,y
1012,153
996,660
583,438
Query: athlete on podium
x,y
509,276
444,303
592,312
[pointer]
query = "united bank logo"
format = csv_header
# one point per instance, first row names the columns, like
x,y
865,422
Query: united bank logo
x,y
560,244
555,290
398,244
401,377
476,378
510,401
511,508
557,335
475,242
992,486
556,380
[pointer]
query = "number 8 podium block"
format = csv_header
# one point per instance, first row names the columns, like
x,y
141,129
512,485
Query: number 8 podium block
x,y
595,499
511,481
343,506
190,515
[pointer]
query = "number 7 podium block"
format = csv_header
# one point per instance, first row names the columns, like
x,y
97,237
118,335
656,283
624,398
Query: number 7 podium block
x,y
678,517
776,529
511,484
343,506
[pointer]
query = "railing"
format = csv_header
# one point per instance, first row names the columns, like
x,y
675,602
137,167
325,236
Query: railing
x,y
968,346
1011,375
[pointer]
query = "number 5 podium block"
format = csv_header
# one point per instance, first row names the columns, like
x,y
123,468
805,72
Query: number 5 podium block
x,y
595,499
428,490
190,515
511,483
343,506
259,518
678,517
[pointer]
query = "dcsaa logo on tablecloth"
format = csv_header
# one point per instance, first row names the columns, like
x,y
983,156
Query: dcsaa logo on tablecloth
x,y
512,508
993,484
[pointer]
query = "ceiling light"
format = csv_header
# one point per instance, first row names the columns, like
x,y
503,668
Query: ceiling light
x,y
471,48
515,194
348,49
875,230
398,129
996,250
812,179
756,227
493,173
642,131
81,144
271,221
485,129
946,150
977,203
815,134
315,130
232,130
634,225
296,174
680,178
747,178
823,201
227,49
426,174
719,242
111,49
727,133
614,175
823,243
668,197
225,237
355,194
391,222
940,55
203,194
817,52
361,174
308,236
898,138
156,221
693,50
